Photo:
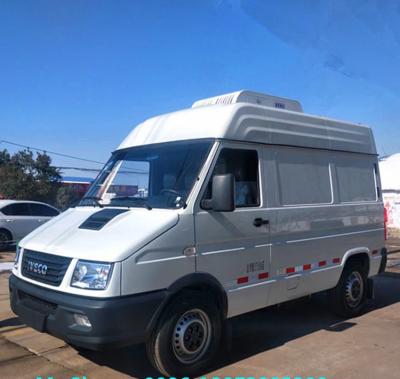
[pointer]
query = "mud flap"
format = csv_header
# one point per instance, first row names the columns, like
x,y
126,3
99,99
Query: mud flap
x,y
370,289
382,267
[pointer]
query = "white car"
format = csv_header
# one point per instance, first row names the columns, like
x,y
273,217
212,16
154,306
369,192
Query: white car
x,y
18,218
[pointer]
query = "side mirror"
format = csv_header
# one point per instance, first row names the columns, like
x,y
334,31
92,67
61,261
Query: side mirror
x,y
223,194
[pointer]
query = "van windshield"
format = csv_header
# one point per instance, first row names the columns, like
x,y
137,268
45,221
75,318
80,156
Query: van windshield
x,y
152,176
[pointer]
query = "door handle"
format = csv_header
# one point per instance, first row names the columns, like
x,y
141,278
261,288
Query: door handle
x,y
8,220
260,221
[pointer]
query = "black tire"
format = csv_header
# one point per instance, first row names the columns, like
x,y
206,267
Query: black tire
x,y
349,297
5,238
164,347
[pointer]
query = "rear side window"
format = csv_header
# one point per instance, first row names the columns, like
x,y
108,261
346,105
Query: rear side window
x,y
17,209
304,177
356,180
243,164
42,210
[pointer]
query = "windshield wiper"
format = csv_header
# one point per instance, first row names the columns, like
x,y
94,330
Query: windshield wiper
x,y
142,203
96,200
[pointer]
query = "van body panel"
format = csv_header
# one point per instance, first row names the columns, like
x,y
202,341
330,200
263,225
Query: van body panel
x,y
235,252
161,262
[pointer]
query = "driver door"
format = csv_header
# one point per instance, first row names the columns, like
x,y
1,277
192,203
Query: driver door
x,y
231,246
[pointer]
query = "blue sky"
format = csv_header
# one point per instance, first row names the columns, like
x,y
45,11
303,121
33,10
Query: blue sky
x,y
77,76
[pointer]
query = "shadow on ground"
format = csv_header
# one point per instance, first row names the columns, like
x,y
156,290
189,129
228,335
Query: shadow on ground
x,y
13,321
261,330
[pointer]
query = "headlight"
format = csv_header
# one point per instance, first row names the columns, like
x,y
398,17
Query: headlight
x,y
17,254
91,275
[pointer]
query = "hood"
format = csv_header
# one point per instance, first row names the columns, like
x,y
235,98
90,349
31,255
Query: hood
x,y
120,235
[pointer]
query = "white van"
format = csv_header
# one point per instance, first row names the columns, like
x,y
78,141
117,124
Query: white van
x,y
239,203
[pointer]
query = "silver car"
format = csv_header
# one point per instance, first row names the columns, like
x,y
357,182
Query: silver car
x,y
19,218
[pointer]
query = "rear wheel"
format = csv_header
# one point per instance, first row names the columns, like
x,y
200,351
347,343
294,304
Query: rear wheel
x,y
349,297
186,337
5,238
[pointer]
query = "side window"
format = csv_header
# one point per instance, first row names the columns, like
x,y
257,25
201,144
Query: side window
x,y
17,209
42,210
243,164
304,177
356,180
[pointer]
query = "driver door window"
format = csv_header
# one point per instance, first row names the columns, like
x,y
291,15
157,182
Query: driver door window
x,y
243,164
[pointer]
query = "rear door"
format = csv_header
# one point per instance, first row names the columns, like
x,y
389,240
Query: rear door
x,y
233,246
19,219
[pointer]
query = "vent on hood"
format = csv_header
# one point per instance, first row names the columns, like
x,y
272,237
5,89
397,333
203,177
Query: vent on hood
x,y
97,220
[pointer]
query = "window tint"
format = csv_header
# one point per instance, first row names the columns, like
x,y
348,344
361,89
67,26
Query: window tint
x,y
304,177
243,164
17,209
356,180
42,210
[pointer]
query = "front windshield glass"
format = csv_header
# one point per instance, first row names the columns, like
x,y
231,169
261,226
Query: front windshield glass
x,y
152,176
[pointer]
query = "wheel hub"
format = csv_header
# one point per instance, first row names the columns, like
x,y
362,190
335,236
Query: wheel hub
x,y
191,336
354,289
3,237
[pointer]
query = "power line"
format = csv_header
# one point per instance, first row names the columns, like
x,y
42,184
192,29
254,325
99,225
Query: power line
x,y
77,168
124,171
121,171
51,152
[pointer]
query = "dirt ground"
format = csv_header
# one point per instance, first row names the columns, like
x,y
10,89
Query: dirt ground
x,y
300,338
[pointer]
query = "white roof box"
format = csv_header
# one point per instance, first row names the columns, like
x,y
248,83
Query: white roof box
x,y
251,97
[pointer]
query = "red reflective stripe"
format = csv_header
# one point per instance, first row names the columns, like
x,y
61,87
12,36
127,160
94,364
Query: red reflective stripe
x,y
336,260
290,270
243,279
263,275
307,267
322,263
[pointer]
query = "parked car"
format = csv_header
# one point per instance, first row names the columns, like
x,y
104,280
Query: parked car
x,y
18,218
239,203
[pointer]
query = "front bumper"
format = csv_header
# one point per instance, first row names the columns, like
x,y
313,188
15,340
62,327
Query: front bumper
x,y
116,322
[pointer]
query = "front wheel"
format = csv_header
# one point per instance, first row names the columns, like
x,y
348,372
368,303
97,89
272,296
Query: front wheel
x,y
349,297
186,337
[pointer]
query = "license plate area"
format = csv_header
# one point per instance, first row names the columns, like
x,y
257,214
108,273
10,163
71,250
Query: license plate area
x,y
36,304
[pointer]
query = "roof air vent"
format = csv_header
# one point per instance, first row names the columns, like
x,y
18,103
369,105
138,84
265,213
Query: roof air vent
x,y
251,98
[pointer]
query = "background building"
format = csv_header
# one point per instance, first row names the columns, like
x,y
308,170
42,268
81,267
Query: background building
x,y
390,177
77,184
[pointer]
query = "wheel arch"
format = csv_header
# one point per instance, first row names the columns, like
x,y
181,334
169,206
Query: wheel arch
x,y
8,232
199,282
360,254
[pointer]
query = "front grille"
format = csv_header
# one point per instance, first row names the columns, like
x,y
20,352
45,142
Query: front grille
x,y
45,268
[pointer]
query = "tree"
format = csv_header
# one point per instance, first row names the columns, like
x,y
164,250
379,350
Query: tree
x,y
25,177
66,197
